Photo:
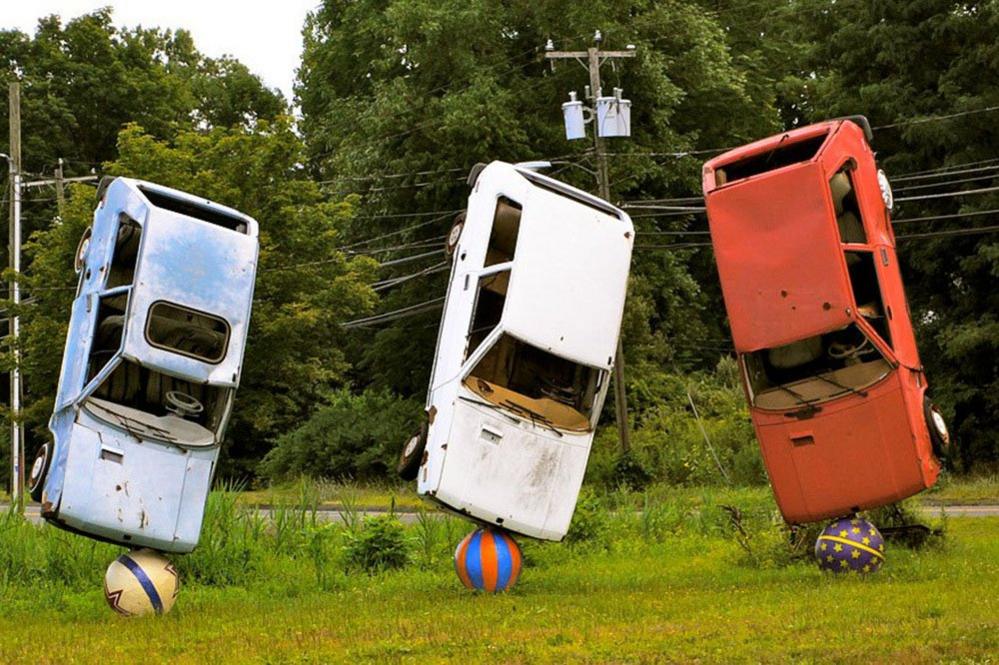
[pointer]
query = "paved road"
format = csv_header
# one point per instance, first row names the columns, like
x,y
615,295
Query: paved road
x,y
333,515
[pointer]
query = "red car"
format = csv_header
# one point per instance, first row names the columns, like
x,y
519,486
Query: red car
x,y
806,255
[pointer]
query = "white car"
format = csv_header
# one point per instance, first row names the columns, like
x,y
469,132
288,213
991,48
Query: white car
x,y
152,361
524,353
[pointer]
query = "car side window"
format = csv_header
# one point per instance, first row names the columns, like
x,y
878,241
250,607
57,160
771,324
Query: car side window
x,y
848,215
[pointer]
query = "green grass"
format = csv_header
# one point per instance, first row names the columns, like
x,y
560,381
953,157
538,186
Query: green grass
x,y
330,494
666,583
964,491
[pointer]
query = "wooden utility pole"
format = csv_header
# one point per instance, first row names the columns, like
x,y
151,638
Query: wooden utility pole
x,y
16,427
60,193
593,58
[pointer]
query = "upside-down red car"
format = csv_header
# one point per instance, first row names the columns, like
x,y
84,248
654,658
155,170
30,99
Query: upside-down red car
x,y
802,236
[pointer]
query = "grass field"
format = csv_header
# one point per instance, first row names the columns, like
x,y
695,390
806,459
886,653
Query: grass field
x,y
666,583
982,489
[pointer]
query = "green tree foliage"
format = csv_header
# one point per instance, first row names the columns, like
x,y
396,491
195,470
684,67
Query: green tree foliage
x,y
899,61
82,81
305,285
668,441
428,88
350,436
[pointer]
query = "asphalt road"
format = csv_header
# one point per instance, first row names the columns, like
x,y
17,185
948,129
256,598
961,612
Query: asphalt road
x,y
333,515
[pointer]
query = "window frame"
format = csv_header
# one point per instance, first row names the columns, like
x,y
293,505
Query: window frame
x,y
225,345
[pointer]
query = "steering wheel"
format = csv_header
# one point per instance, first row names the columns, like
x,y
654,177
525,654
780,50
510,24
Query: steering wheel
x,y
182,404
841,351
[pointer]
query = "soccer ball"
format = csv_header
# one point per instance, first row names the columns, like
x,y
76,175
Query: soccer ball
x,y
488,560
141,582
850,546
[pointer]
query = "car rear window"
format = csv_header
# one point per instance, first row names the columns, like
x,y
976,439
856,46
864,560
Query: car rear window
x,y
187,332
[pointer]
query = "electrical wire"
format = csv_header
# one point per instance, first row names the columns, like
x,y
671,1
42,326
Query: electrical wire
x,y
940,195
401,313
947,183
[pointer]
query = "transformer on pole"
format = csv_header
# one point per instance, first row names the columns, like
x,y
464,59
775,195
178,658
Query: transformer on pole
x,y
613,119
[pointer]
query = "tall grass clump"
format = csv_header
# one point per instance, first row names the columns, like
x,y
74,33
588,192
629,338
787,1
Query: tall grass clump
x,y
380,544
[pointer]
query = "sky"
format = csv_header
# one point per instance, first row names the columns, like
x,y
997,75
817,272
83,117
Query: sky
x,y
264,35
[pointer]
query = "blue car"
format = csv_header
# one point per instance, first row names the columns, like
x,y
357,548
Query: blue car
x,y
152,361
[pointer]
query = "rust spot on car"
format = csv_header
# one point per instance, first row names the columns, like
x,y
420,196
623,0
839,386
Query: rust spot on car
x,y
431,414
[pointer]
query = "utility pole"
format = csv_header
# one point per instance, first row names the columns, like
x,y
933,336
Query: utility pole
x,y
593,58
60,193
16,427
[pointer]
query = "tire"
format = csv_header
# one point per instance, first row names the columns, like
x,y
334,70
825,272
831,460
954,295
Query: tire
x,y
473,173
939,436
39,472
102,186
454,235
412,455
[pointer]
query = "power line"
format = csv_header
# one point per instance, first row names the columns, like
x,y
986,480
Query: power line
x,y
946,183
389,283
931,218
926,176
401,313
950,167
966,192
952,232
936,118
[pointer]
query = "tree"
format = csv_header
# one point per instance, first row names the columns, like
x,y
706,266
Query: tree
x,y
305,285
904,65
83,81
400,98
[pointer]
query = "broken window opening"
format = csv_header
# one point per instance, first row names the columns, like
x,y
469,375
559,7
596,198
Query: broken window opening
x,y
867,291
536,385
152,404
490,299
848,216
815,369
188,332
506,228
785,154
191,209
108,329
125,253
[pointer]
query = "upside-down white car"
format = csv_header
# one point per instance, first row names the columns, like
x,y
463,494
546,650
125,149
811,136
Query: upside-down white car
x,y
524,353
153,357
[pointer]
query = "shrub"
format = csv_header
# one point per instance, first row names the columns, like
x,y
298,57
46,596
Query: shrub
x,y
379,544
590,522
356,436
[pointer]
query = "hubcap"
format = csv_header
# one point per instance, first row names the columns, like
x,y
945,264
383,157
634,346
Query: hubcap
x,y
38,466
412,445
452,239
940,425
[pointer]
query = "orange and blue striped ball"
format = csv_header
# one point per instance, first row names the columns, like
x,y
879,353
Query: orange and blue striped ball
x,y
488,560
850,545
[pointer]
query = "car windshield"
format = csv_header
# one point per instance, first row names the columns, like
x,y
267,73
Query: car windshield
x,y
815,369
150,404
536,385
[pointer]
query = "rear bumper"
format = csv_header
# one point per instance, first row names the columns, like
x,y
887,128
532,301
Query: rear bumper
x,y
857,453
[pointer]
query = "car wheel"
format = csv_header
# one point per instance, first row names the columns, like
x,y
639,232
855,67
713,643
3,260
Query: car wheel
x,y
39,471
473,173
412,455
939,436
454,235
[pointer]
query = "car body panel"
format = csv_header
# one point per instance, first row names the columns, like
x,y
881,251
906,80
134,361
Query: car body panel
x,y
787,283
